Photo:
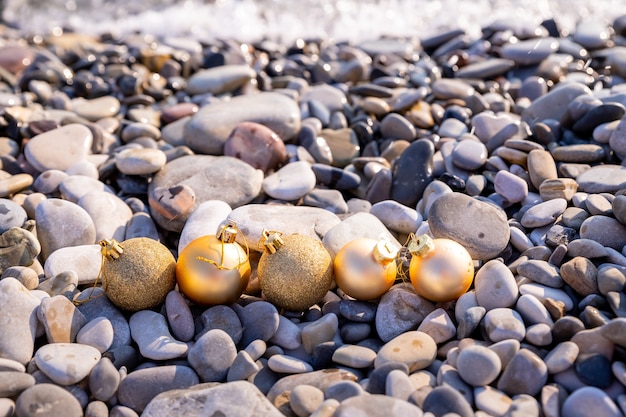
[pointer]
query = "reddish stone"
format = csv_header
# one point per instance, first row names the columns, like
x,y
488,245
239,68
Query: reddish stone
x,y
256,144
15,58
178,111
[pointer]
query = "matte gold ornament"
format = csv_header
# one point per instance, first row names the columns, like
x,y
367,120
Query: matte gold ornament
x,y
214,269
440,269
295,271
365,268
138,273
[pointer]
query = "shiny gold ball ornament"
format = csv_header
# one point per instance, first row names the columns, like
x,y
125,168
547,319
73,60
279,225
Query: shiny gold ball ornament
x,y
214,269
440,269
365,268
295,271
138,273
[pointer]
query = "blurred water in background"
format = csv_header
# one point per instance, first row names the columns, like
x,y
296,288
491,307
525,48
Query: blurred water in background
x,y
287,20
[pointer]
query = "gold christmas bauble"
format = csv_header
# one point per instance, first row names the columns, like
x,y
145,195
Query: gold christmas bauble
x,y
138,273
365,268
295,272
440,269
213,269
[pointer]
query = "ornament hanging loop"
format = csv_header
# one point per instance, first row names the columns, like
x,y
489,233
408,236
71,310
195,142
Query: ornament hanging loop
x,y
227,234
421,245
271,241
110,250
384,252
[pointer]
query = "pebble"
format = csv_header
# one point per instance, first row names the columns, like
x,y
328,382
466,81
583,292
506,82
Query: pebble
x,y
97,333
205,220
285,364
20,247
492,401
99,306
109,214
212,355
533,311
51,398
400,310
59,148
104,380
219,80
480,227
179,316
331,200
66,363
588,400
180,187
376,406
495,286
56,214
438,325
511,187
397,217
414,348
526,373
60,319
211,399
140,161
151,333
545,293
208,130
139,387
602,179
604,230
336,178
305,399
354,356
257,145
259,320
478,365
11,215
504,323
319,331
541,272
242,367
223,318
412,172
97,108
469,154
18,321
544,213
84,260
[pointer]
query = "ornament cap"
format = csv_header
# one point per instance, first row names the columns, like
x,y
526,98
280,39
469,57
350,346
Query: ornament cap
x,y
227,232
272,241
111,249
384,252
421,245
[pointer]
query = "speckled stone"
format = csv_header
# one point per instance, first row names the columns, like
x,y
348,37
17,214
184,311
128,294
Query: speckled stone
x,y
414,348
480,227
400,310
495,286
504,323
66,363
49,397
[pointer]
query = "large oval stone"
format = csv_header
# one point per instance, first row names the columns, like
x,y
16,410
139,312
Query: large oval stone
x,y
210,127
480,227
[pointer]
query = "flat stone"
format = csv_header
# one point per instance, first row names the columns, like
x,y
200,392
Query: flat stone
x,y
56,214
66,363
358,225
224,318
219,80
541,272
376,406
554,104
109,214
526,373
354,356
251,219
179,316
414,348
412,172
485,69
97,333
604,230
319,331
495,286
60,318
13,383
284,364
97,108
291,182
438,325
84,260
531,51
139,387
588,400
480,227
513,188
444,400
543,214
257,145
602,178
18,321
335,178
19,247
447,88
231,180
210,127
59,148
140,161
212,355
504,323
400,310
331,200
74,187
259,321
238,398
478,365
151,333
49,397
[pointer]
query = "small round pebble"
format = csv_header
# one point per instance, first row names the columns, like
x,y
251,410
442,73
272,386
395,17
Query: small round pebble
x,y
478,365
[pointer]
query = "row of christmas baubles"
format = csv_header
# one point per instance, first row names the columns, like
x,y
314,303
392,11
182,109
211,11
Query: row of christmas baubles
x,y
294,271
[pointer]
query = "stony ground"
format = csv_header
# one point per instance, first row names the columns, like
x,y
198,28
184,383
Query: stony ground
x,y
511,145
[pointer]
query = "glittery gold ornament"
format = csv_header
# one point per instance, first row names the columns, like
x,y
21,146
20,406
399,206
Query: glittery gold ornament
x,y
138,273
440,269
365,268
213,269
295,271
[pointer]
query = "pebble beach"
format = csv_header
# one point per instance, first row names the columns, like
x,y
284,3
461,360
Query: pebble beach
x,y
508,139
